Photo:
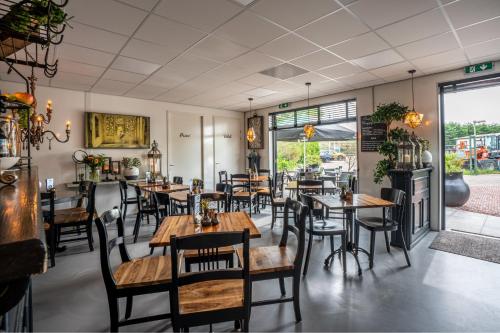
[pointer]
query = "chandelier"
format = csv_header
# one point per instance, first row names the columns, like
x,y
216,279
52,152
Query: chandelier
x,y
413,119
35,132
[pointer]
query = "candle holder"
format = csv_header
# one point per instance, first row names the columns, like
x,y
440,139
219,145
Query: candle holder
x,y
406,154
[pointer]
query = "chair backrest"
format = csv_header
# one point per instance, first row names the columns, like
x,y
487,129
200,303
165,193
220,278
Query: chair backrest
x,y
221,198
224,187
278,183
106,245
49,215
90,194
304,186
294,222
162,198
263,172
123,190
197,182
398,197
223,176
153,200
206,244
177,180
246,184
353,184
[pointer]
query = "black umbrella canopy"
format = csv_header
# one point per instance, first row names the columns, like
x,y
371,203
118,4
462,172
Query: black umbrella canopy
x,y
331,132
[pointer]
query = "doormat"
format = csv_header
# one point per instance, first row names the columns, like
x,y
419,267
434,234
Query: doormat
x,y
478,247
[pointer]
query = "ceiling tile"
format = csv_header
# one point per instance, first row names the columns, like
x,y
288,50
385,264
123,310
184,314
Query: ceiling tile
x,y
26,71
151,52
415,28
124,20
480,32
399,71
70,85
113,74
340,70
160,30
253,62
380,59
101,39
110,87
260,92
288,47
314,78
145,91
282,86
134,65
333,29
69,66
382,12
181,93
163,82
331,86
142,4
441,59
74,78
84,55
218,49
294,13
205,15
359,46
317,60
258,80
249,30
466,12
429,46
187,67
485,49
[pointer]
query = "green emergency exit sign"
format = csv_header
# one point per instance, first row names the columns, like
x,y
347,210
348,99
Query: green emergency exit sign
x,y
484,66
283,105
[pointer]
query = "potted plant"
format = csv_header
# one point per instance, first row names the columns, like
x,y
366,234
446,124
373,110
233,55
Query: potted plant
x,y
388,113
95,164
456,190
131,167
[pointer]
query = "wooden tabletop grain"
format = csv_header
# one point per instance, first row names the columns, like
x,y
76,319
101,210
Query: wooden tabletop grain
x,y
256,179
181,196
358,201
183,225
161,189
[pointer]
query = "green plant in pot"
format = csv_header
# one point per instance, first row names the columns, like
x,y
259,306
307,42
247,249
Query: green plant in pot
x,y
387,114
131,167
456,190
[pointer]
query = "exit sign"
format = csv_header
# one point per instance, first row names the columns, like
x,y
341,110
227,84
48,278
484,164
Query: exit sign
x,y
283,105
484,66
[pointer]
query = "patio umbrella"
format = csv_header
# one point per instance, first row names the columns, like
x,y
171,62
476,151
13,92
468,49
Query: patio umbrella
x,y
331,132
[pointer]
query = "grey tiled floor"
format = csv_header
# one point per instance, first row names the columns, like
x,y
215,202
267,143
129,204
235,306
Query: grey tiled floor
x,y
472,222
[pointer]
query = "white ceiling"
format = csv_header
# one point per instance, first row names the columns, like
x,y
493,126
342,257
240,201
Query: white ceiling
x,y
210,52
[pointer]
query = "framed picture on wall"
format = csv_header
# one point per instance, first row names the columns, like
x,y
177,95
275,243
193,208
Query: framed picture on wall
x,y
257,122
107,131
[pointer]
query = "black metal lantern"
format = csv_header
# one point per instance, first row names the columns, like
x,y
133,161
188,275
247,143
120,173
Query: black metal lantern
x,y
154,161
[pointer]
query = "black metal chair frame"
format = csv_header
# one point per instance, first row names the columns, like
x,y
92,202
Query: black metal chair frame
x,y
300,213
206,242
274,184
247,186
177,180
222,174
389,222
106,246
150,209
124,199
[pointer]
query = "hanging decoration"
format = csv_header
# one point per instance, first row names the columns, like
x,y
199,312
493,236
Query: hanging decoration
x,y
309,129
413,119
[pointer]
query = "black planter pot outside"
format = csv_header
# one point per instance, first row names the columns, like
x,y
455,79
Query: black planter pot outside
x,y
456,190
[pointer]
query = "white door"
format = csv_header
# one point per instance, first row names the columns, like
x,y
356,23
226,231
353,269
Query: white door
x,y
228,146
185,152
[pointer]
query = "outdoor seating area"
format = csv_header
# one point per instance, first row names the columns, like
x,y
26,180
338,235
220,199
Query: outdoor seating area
x,y
249,165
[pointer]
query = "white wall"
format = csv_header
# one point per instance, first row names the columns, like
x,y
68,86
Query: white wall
x,y
426,102
71,105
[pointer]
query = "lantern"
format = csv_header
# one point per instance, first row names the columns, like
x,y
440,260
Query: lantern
x,y
406,154
154,161
251,135
413,119
309,131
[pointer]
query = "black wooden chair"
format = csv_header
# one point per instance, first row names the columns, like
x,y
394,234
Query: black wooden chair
x,y
198,183
163,201
243,193
145,208
223,177
133,277
275,262
124,198
391,220
330,230
69,221
49,226
277,201
312,186
228,189
177,180
211,295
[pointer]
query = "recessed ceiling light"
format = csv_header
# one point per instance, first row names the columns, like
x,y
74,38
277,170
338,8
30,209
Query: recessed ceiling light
x,y
244,2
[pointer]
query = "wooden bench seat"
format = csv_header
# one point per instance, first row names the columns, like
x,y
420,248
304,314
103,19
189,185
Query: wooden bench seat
x,y
266,259
210,296
144,272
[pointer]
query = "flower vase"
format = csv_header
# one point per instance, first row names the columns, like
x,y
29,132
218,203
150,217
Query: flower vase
x,y
95,175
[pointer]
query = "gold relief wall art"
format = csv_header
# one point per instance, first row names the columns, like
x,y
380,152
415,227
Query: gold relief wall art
x,y
107,131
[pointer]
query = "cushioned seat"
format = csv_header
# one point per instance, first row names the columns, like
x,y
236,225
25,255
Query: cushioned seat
x,y
144,272
266,259
210,296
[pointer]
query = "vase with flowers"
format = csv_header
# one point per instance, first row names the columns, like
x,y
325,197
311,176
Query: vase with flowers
x,y
95,164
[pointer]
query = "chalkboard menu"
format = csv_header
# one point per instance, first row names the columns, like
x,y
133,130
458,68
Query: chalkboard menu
x,y
372,134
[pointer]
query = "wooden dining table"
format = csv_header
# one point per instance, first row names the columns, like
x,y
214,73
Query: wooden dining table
x,y
159,187
254,179
183,225
359,201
